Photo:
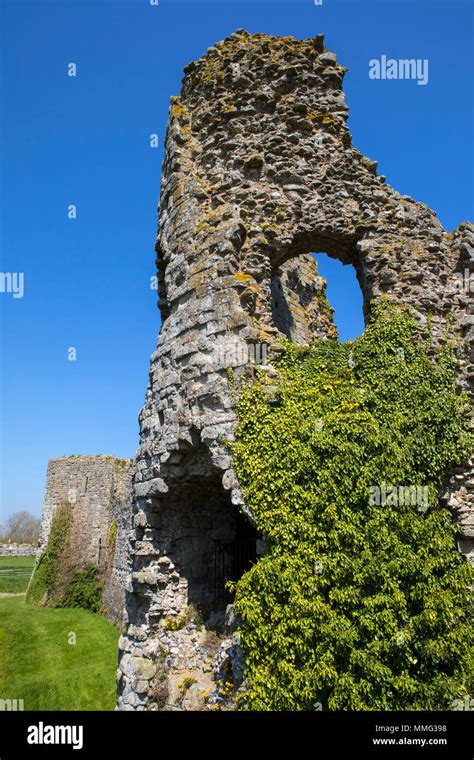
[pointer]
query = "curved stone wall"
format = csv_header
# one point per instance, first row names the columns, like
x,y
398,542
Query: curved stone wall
x,y
259,172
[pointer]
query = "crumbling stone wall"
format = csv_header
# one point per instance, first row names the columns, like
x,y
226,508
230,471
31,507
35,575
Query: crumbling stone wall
x,y
98,488
259,172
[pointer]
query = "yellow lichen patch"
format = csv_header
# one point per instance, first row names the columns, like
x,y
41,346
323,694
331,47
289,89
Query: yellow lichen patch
x,y
178,110
321,116
243,277
203,226
213,65
267,226
264,336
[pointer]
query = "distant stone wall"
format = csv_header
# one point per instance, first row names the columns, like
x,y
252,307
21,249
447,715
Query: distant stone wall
x,y
98,489
17,550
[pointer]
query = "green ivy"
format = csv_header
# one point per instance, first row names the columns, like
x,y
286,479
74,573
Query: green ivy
x,y
356,605
84,589
112,536
46,574
51,583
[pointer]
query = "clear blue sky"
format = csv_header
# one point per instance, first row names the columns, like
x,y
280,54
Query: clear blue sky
x,y
85,141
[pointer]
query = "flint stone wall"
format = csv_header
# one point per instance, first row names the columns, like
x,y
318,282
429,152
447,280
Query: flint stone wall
x,y
17,550
259,172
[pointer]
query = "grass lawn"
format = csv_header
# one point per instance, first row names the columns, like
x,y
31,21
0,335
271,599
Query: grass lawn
x,y
40,666
15,573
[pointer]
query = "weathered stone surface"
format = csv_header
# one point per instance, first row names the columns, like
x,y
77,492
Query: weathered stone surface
x,y
99,490
259,172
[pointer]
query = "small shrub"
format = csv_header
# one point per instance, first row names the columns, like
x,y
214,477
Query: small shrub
x,y
186,684
159,693
175,624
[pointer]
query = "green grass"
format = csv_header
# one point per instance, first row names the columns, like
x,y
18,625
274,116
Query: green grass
x,y
15,573
38,665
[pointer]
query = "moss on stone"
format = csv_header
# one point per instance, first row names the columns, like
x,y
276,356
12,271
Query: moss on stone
x,y
112,536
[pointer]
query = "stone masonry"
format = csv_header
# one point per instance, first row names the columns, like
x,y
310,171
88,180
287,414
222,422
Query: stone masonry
x,y
98,488
17,550
259,172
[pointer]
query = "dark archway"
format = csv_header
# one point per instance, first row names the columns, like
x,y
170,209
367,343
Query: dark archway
x,y
211,541
201,539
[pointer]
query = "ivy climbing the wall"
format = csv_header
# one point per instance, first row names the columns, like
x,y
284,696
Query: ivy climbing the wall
x,y
54,583
46,576
361,600
84,589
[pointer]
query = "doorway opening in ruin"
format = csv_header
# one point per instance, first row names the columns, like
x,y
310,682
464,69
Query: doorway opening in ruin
x,y
207,538
232,558
221,544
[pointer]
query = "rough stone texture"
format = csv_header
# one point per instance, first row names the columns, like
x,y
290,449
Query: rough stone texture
x,y
99,490
17,550
259,172
300,310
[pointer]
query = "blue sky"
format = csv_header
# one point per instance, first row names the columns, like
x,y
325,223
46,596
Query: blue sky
x,y
85,141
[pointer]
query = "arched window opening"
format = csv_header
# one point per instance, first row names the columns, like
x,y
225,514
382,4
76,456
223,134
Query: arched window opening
x,y
344,294
317,296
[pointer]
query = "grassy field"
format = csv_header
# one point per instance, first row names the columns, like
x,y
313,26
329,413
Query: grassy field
x,y
40,664
15,573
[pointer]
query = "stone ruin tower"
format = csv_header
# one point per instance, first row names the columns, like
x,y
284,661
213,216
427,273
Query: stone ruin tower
x,y
98,492
259,172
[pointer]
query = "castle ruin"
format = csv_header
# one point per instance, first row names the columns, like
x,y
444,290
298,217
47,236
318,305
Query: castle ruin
x,y
259,173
